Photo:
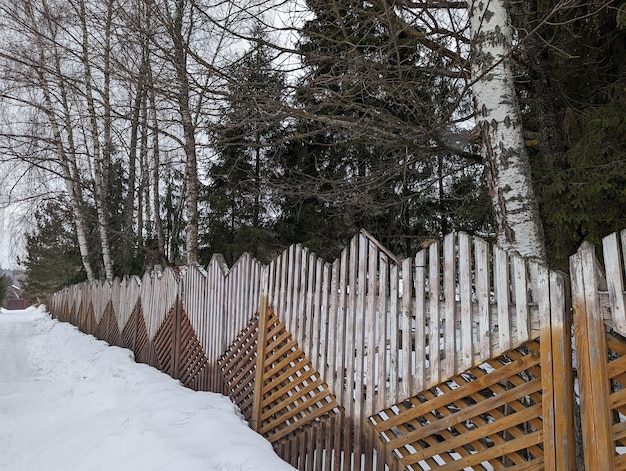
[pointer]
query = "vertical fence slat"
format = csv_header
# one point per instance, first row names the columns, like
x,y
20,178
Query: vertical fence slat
x,y
615,281
547,380
299,311
466,351
319,309
591,357
383,339
483,296
358,353
394,328
449,289
419,312
406,328
501,281
562,373
255,422
350,346
331,367
309,316
434,323
521,298
372,329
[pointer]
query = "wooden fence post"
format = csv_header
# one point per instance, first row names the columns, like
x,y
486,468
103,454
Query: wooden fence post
x,y
255,422
556,371
562,374
592,357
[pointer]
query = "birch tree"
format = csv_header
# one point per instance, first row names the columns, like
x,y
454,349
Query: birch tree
x,y
37,84
99,125
507,167
176,30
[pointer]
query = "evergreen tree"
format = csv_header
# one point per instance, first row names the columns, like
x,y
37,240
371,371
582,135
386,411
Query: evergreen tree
x,y
53,259
5,284
239,215
174,223
370,155
573,89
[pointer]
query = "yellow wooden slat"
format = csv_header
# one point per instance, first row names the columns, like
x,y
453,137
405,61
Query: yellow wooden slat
x,y
469,412
494,452
475,434
287,400
295,426
299,413
475,386
296,364
430,440
294,383
615,344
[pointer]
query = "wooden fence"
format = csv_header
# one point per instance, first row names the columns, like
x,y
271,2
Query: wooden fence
x,y
600,335
456,358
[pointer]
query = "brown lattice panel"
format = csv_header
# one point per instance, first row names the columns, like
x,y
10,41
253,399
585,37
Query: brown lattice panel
x,y
144,348
134,334
489,417
107,329
616,370
165,344
293,393
89,324
238,368
192,359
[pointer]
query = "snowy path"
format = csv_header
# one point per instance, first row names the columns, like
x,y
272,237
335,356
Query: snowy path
x,y
70,402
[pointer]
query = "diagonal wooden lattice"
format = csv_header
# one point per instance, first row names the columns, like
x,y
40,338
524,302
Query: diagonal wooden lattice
x,y
489,417
192,361
616,370
89,324
107,329
293,394
238,368
134,334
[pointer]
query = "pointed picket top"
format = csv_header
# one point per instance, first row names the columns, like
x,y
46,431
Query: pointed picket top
x,y
124,297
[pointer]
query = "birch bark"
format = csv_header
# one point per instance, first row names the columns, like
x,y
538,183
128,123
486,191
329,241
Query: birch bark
x,y
100,156
507,166
191,166
61,125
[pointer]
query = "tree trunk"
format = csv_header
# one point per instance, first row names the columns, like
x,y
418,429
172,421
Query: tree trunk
x,y
507,168
67,159
101,164
191,165
156,168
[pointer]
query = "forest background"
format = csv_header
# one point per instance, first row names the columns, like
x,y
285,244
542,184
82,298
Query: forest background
x,y
145,132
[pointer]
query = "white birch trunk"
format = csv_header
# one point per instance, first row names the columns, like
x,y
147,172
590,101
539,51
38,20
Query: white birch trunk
x,y
100,170
67,160
191,166
507,167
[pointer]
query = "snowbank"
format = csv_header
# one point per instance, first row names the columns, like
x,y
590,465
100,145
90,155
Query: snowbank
x,y
71,402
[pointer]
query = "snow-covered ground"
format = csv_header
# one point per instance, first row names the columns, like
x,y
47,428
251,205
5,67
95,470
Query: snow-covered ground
x,y
71,402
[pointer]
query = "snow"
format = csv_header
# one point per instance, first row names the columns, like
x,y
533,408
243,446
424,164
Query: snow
x,y
71,402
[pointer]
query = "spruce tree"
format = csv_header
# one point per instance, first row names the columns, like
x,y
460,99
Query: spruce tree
x,y
240,205
53,259
571,85
368,150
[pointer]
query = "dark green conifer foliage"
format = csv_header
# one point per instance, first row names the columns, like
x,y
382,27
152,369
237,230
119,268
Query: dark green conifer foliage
x,y
368,156
576,72
239,202
5,283
53,259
